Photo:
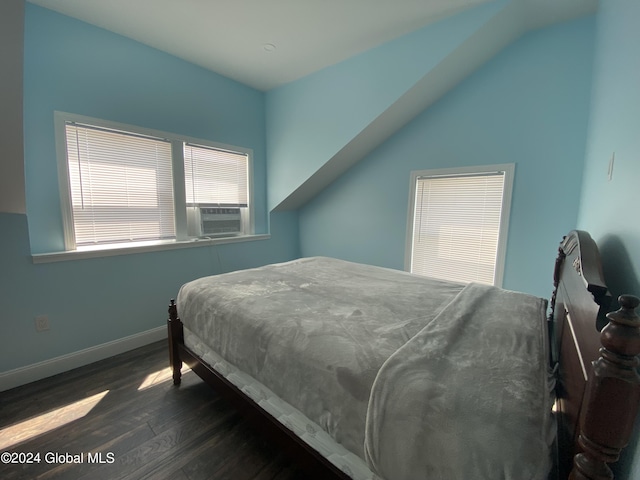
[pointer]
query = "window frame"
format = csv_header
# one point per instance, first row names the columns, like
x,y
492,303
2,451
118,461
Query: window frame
x,y
179,191
509,174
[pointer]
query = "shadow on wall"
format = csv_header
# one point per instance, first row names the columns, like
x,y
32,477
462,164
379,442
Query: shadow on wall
x,y
621,278
618,268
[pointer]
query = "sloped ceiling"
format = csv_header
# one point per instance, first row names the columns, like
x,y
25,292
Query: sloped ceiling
x,y
267,43
502,27
303,163
271,44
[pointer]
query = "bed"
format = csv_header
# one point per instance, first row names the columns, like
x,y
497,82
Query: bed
x,y
362,372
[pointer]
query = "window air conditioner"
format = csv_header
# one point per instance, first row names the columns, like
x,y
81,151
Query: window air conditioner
x,y
203,220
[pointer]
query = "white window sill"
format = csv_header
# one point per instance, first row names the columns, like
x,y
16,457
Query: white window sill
x,y
126,249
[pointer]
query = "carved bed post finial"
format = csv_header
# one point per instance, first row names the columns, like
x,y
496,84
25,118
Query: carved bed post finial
x,y
173,310
174,326
612,395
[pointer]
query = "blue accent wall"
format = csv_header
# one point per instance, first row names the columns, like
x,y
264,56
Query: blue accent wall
x,y
75,67
91,302
311,119
608,208
529,105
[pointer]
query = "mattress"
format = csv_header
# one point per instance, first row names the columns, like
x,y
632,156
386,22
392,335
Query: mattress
x,y
329,339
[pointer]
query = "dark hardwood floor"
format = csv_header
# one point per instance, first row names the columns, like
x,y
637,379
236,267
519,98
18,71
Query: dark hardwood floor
x,y
122,418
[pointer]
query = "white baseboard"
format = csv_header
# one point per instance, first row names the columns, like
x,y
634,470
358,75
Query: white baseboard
x,y
37,371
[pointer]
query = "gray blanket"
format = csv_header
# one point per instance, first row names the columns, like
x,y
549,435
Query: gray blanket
x,y
468,396
315,331
433,379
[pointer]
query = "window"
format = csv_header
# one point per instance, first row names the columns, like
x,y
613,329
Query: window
x,y
123,184
215,176
458,222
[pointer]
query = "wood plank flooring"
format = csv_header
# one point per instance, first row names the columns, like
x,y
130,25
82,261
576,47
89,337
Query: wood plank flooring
x,y
128,421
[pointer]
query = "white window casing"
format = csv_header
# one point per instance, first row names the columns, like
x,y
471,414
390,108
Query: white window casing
x,y
122,184
458,223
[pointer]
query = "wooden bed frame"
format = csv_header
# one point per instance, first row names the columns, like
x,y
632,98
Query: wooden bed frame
x,y
594,353
598,387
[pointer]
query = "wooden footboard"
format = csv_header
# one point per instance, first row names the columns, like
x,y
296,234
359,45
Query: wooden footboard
x,y
612,395
598,387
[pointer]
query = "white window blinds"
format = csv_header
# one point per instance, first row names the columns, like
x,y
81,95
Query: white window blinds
x,y
120,184
456,226
214,176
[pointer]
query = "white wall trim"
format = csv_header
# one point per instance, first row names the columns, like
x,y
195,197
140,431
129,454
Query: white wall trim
x,y
37,371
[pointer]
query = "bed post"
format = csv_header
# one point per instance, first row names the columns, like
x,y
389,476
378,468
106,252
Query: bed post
x,y
176,338
612,395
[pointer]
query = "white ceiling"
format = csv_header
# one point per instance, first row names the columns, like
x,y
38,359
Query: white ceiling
x,y
229,36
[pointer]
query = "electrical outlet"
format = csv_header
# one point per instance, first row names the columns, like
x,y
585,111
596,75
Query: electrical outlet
x,y
42,323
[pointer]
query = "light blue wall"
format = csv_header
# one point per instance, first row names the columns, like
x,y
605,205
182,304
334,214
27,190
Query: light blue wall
x,y
12,195
74,67
310,120
529,105
90,302
609,209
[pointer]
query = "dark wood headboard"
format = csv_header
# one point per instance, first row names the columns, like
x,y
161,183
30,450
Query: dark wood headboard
x,y
598,387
